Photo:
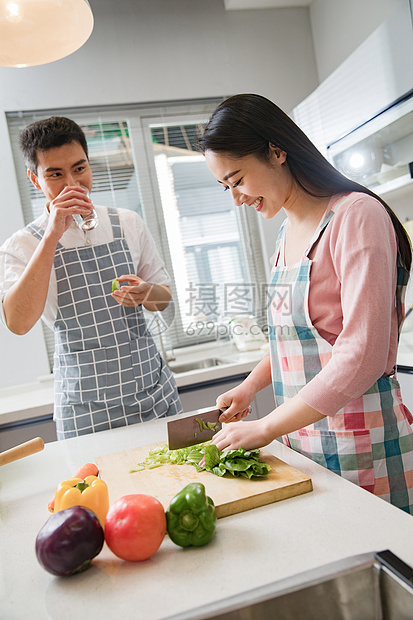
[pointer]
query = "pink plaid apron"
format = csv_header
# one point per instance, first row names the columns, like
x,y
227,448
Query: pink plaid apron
x,y
370,440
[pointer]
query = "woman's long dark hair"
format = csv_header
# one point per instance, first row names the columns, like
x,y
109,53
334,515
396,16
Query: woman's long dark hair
x,y
246,125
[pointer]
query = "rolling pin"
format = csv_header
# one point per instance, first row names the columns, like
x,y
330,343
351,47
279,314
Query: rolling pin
x,y
22,450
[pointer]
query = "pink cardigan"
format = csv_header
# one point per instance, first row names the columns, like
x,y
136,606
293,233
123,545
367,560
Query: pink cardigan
x,y
352,300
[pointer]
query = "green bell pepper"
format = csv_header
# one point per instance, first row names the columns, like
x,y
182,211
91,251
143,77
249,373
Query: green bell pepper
x,y
191,517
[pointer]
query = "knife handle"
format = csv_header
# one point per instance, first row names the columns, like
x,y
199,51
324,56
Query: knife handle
x,y
22,450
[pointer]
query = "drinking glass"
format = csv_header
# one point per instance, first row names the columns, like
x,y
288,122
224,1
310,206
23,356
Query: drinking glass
x,y
89,221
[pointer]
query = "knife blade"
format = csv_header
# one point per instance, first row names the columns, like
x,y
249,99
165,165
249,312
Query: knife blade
x,y
193,429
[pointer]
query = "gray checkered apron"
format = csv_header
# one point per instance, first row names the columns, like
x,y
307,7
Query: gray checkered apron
x,y
370,440
107,369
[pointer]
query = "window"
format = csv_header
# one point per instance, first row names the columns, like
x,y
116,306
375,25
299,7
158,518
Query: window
x,y
145,159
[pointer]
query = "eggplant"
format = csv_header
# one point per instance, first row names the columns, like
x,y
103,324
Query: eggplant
x,y
69,540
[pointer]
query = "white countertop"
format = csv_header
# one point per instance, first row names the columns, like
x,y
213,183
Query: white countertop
x,y
33,400
22,402
405,350
334,521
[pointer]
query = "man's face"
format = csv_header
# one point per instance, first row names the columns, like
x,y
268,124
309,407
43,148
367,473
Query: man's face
x,y
61,167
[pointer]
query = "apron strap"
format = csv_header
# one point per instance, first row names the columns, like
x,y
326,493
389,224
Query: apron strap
x,y
38,233
280,238
115,222
275,257
319,232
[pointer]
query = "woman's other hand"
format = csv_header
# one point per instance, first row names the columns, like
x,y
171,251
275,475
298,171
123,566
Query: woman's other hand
x,y
248,435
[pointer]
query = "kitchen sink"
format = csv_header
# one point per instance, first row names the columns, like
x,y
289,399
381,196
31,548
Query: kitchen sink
x,y
178,367
372,586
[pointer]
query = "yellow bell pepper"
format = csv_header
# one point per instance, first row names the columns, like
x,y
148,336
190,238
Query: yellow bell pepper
x,y
92,493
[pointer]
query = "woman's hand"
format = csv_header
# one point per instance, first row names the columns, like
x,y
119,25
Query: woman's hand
x,y
288,417
247,435
235,403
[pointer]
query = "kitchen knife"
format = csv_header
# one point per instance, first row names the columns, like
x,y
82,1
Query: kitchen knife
x,y
193,429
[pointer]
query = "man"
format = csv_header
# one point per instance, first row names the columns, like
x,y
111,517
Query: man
x,y
108,372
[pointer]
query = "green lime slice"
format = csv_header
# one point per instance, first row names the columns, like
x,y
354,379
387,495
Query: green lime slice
x,y
115,285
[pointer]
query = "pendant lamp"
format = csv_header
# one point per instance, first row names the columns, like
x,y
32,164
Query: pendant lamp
x,y
36,32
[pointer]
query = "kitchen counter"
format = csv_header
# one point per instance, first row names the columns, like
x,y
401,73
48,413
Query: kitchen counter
x,y
405,350
35,400
334,521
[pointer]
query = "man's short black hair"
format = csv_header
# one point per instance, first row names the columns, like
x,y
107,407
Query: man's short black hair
x,y
48,134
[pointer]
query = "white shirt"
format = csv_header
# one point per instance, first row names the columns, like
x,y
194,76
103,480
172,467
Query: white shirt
x,y
15,253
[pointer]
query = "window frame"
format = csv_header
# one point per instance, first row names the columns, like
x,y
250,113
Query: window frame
x,y
140,119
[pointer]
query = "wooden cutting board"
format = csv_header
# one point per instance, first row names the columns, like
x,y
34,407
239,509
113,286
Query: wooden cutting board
x,y
231,495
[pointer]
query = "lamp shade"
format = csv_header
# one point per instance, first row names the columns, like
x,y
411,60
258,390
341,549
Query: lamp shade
x,y
35,32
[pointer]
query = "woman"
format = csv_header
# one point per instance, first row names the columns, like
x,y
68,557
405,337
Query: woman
x,y
341,265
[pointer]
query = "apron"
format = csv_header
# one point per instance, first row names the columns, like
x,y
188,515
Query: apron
x,y
107,369
370,440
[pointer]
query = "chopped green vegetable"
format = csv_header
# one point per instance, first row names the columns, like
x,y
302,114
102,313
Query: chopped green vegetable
x,y
201,424
238,462
206,426
212,456
213,426
161,455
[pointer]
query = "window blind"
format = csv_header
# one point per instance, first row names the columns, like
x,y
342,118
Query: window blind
x,y
115,181
144,158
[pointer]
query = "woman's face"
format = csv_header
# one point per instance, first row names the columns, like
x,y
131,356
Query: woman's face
x,y
266,187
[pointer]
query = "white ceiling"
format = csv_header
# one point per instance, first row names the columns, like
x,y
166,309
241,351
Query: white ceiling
x,y
236,5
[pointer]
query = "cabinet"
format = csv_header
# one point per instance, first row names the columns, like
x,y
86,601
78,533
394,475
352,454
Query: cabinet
x,y
379,153
196,396
13,434
205,394
377,73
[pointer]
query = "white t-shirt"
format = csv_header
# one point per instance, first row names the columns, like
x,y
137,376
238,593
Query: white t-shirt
x,y
15,253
